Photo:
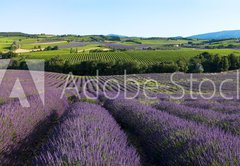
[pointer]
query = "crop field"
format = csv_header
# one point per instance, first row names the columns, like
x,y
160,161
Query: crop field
x,y
161,41
144,57
4,46
226,43
42,44
116,131
5,42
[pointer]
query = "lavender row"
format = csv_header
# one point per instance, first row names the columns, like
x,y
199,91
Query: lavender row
x,y
87,135
169,140
216,106
17,122
229,123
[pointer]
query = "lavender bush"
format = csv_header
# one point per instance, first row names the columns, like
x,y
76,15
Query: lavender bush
x,y
229,123
216,106
17,122
169,140
87,135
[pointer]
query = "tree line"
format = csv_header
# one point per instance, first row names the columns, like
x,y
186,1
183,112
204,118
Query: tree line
x,y
202,63
209,63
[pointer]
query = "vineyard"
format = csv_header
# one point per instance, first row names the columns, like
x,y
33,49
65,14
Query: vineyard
x,y
95,130
144,57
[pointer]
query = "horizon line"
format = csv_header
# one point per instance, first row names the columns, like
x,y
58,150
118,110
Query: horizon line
x,y
116,34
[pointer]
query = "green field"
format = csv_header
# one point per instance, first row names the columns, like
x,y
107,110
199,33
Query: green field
x,y
144,57
6,42
225,43
42,45
82,53
161,41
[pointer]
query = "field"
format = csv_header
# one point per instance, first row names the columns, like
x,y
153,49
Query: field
x,y
144,57
76,49
117,131
232,42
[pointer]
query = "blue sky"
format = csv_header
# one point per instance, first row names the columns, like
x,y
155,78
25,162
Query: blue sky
x,y
127,17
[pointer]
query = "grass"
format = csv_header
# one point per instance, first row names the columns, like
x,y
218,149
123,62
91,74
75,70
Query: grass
x,y
4,47
61,52
10,39
226,43
6,42
163,41
43,45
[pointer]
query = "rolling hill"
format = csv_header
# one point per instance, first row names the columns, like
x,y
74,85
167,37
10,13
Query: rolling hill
x,y
218,35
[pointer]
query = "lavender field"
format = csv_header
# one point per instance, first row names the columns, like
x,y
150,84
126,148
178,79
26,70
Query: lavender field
x,y
88,125
120,83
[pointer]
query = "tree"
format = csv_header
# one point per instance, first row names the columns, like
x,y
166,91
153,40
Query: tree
x,y
216,63
48,48
233,62
182,64
55,64
207,61
15,45
8,55
71,50
224,64
193,64
163,67
199,68
55,48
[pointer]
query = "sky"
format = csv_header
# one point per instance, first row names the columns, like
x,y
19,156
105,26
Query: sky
x,y
143,18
